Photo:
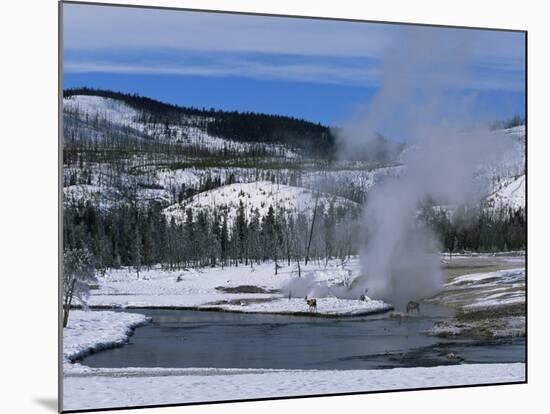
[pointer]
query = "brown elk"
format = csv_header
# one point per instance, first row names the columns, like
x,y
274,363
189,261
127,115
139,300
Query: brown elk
x,y
413,306
312,303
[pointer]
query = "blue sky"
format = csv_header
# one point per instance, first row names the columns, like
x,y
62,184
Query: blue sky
x,y
312,69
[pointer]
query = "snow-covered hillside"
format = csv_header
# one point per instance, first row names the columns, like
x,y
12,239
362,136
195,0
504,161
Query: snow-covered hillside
x,y
112,110
191,130
363,179
165,178
507,176
509,193
502,181
81,193
260,195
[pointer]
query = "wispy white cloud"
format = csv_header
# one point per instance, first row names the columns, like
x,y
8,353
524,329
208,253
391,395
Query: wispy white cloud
x,y
93,28
106,28
366,77
300,72
258,47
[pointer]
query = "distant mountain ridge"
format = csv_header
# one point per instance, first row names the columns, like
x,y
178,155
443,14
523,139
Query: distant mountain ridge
x,y
233,125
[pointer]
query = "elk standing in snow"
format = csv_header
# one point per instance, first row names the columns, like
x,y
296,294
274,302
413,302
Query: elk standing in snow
x,y
312,303
412,305
364,296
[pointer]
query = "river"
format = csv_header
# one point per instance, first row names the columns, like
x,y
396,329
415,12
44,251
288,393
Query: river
x,y
186,338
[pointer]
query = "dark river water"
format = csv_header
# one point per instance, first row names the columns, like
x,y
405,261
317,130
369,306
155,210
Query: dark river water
x,y
182,338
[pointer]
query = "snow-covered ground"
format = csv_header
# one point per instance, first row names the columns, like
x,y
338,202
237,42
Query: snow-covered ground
x,y
490,305
493,289
484,258
87,388
330,306
89,332
208,288
133,387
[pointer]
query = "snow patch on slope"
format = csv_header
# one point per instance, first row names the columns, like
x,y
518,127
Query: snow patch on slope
x,y
510,192
257,195
112,110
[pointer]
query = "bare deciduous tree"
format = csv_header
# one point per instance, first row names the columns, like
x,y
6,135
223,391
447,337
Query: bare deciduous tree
x,y
78,274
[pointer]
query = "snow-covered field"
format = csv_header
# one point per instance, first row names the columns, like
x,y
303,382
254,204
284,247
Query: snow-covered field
x,y
132,387
208,288
86,387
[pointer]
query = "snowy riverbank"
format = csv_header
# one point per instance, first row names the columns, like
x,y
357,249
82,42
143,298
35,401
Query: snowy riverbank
x,y
125,387
86,387
330,306
490,305
90,331
238,289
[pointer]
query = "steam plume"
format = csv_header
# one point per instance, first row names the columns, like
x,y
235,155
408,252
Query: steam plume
x,y
445,155
418,101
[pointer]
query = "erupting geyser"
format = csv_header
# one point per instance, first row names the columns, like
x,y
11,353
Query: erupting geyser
x,y
444,149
